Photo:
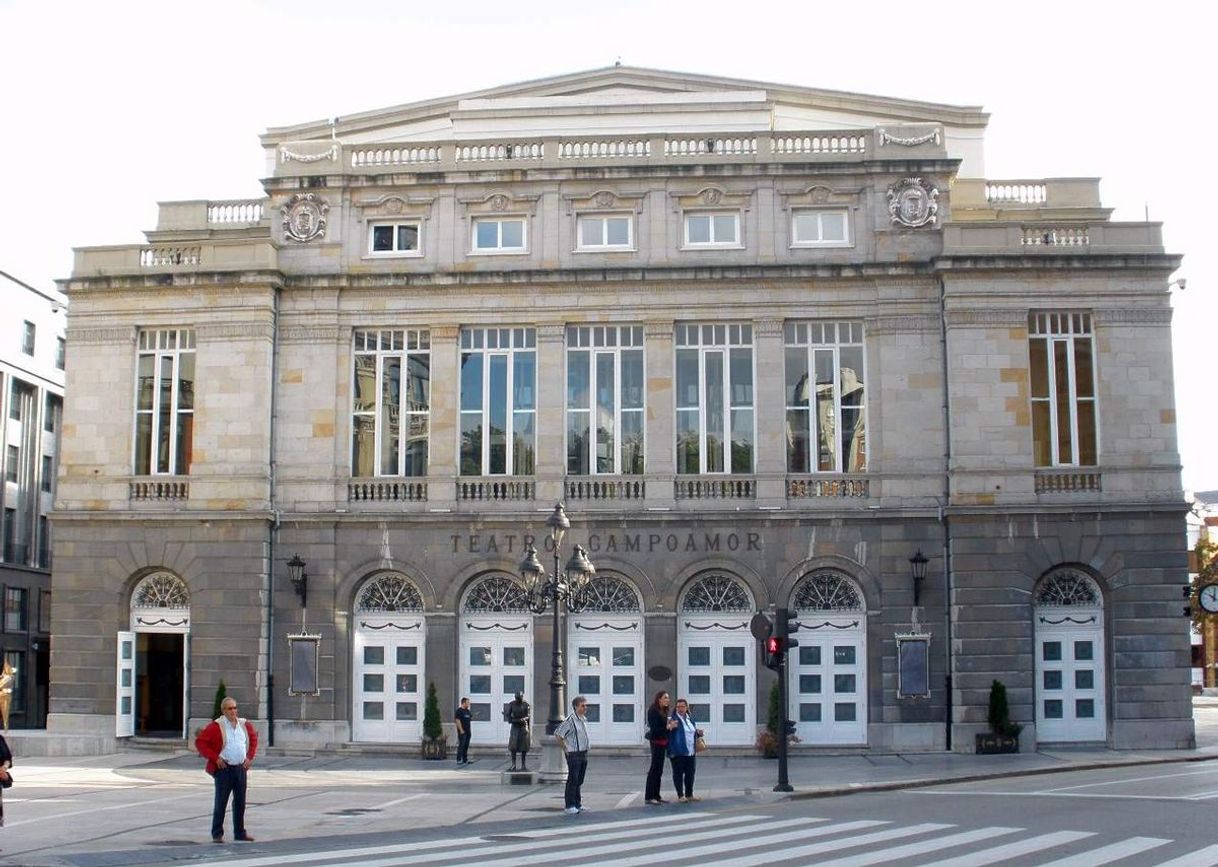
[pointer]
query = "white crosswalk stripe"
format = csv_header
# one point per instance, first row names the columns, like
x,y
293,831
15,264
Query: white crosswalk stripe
x,y
732,840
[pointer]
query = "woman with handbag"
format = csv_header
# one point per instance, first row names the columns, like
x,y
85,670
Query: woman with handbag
x,y
6,780
684,738
658,728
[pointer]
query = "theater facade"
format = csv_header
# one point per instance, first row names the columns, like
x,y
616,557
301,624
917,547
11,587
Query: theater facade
x,y
768,345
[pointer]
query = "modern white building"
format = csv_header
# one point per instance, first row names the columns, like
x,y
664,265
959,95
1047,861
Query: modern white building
x,y
767,343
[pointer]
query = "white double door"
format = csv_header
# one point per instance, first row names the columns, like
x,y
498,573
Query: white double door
x,y
605,665
1070,695
828,682
496,663
717,674
388,683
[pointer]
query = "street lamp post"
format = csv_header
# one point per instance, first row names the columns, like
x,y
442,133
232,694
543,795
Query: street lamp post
x,y
565,586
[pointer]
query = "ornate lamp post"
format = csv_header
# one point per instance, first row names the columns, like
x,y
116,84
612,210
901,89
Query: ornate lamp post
x,y
567,586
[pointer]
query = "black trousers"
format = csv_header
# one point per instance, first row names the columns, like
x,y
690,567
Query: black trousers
x,y
683,775
577,766
654,774
229,780
463,746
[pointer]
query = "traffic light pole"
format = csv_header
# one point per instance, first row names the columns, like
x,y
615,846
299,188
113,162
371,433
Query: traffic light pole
x,y
784,785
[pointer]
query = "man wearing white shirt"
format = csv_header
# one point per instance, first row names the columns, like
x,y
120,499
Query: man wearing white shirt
x,y
572,736
229,743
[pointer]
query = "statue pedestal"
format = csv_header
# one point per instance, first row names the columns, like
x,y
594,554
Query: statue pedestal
x,y
553,762
517,778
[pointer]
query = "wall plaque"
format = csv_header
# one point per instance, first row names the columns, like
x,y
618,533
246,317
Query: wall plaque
x,y
913,669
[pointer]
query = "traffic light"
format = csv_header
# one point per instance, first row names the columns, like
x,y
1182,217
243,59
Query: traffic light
x,y
784,625
774,651
790,727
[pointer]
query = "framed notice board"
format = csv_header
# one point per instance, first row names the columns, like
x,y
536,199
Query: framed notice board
x,y
913,665
304,654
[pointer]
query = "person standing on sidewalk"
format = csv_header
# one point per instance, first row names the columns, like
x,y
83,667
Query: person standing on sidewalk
x,y
572,736
658,728
463,718
683,750
229,744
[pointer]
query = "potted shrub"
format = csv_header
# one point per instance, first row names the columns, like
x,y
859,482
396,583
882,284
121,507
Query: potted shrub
x,y
435,745
1003,736
767,737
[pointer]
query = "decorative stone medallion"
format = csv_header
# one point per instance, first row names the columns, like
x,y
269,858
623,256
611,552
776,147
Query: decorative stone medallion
x,y
499,202
913,203
604,199
712,196
304,217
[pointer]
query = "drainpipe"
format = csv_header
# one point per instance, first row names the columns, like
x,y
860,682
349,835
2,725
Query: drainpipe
x,y
270,602
944,520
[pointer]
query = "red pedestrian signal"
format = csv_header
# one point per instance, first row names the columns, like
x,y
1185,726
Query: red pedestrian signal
x,y
774,650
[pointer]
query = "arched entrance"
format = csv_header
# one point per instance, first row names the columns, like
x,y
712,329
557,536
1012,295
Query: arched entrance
x,y
152,685
717,657
1070,680
387,680
496,652
828,671
605,660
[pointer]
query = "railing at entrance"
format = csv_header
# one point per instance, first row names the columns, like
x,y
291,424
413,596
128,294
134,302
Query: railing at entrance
x,y
386,490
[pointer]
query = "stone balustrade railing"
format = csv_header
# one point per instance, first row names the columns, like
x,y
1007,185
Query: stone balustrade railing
x,y
159,490
386,491
715,487
1068,197
500,489
237,212
1068,482
601,488
979,238
236,254
808,487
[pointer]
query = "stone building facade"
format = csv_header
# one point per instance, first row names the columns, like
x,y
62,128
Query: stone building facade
x,y
766,344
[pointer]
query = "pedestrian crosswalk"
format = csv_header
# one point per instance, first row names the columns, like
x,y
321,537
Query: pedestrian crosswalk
x,y
740,839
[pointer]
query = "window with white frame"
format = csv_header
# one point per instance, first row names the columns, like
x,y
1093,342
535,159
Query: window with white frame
x,y
820,228
1062,368
712,229
826,404
498,401
28,331
391,402
605,232
164,401
605,389
715,425
499,235
397,238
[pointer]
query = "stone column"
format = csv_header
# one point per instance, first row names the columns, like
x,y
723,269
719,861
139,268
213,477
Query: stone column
x,y
769,403
551,458
444,418
660,402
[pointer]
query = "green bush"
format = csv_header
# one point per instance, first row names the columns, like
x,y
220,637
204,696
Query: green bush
x,y
431,714
774,720
999,716
221,694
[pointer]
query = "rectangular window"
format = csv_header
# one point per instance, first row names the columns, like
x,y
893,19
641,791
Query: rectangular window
x,y
44,542
165,401
400,238
11,459
391,395
605,232
825,398
605,400
21,401
52,413
10,537
820,228
498,401
1062,370
14,609
499,235
715,432
44,611
61,353
48,473
28,331
712,229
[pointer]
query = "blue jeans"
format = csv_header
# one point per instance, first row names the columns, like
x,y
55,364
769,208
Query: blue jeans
x,y
577,766
229,781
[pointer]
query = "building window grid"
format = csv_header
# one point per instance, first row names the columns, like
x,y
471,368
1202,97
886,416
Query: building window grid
x,y
825,359
390,426
606,382
47,482
712,229
15,609
499,235
61,353
610,231
164,415
11,463
397,238
715,430
820,227
1065,420
28,332
498,401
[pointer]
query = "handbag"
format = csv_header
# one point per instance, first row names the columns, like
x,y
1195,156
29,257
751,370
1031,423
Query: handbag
x,y
699,744
7,782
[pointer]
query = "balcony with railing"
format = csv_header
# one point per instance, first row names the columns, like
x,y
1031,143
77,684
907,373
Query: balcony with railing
x,y
1051,238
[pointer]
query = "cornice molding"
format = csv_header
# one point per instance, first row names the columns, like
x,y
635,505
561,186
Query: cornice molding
x,y
710,197
817,195
314,334
84,336
604,200
1132,315
987,318
503,202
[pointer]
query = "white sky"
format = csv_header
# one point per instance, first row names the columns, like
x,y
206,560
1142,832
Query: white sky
x,y
108,108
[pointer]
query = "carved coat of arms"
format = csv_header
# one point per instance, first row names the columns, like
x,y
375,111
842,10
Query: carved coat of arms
x,y
913,202
304,217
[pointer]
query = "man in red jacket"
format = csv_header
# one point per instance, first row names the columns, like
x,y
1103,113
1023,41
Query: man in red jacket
x,y
229,745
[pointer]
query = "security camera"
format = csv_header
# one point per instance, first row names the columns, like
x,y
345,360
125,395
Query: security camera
x,y
1182,283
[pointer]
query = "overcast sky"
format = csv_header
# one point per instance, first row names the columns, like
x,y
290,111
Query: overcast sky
x,y
109,108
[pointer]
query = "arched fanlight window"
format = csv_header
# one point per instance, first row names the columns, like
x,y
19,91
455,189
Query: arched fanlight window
x,y
715,593
389,591
161,590
826,590
608,594
496,594
1068,587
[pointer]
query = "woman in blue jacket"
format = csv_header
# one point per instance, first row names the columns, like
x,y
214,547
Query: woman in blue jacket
x,y
682,751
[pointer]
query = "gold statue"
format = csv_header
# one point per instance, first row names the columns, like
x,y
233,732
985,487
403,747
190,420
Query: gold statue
x,y
7,677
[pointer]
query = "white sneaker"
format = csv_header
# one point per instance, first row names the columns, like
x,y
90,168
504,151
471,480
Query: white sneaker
x,y
572,811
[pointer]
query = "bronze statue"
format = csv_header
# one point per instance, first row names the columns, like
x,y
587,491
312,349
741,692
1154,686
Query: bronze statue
x,y
517,712
8,677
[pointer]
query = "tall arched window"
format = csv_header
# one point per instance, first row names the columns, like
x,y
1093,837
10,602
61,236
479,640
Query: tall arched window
x,y
389,591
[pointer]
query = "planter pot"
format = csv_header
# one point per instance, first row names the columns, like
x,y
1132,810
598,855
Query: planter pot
x,y
992,744
435,748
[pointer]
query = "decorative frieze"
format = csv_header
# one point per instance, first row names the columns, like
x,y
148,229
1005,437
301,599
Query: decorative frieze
x,y
209,331
1132,315
886,138
308,151
661,329
83,336
987,318
768,328
314,334
605,200
912,324
710,196
396,205
817,195
500,202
